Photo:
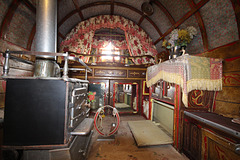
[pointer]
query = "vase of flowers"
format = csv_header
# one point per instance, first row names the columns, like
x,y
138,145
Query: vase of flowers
x,y
91,99
178,41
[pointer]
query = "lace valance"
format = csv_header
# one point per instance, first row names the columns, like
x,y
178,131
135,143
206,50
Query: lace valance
x,y
190,72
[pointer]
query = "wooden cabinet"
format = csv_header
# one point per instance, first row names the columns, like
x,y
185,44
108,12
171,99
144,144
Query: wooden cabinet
x,y
192,139
214,146
210,136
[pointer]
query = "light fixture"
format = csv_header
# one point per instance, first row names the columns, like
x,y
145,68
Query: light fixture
x,y
110,50
94,61
147,8
126,62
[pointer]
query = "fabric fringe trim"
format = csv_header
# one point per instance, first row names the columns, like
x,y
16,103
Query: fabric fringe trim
x,y
204,84
166,76
194,84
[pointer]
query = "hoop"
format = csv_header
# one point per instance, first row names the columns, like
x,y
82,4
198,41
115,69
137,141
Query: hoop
x,y
99,116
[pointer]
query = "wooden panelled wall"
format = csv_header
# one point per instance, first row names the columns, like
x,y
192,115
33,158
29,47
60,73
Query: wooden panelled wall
x,y
111,72
227,101
16,68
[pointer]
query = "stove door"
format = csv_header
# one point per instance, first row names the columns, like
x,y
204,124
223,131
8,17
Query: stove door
x,y
77,107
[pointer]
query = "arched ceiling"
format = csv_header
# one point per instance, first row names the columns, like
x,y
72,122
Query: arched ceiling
x,y
217,21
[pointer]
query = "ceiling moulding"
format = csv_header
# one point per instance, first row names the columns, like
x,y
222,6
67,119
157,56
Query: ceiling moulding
x,y
75,2
201,25
8,18
17,32
185,17
108,3
177,8
65,7
161,19
165,11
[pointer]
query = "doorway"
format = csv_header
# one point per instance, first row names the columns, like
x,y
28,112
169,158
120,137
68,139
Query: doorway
x,y
122,94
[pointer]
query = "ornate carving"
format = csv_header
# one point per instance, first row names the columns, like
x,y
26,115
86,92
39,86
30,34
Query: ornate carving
x,y
110,73
232,80
200,99
136,74
197,95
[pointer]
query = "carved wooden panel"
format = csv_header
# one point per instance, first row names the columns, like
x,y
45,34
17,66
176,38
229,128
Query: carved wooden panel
x,y
78,73
110,73
191,140
200,99
216,147
231,79
136,74
195,141
186,135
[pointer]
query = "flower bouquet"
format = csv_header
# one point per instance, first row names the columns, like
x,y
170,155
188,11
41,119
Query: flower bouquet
x,y
91,96
179,38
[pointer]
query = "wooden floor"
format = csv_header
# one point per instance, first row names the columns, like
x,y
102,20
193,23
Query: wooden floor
x,y
124,146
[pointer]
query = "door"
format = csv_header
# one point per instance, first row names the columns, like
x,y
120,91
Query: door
x,y
122,94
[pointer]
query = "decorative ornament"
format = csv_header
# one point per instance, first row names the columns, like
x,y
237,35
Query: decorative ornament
x,y
147,8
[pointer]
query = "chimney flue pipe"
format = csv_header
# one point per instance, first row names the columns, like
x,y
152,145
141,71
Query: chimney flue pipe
x,y
46,38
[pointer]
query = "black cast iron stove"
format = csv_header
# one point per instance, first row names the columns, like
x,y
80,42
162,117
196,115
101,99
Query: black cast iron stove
x,y
46,117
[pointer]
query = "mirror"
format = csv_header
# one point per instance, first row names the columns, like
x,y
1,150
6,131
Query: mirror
x,y
96,95
125,97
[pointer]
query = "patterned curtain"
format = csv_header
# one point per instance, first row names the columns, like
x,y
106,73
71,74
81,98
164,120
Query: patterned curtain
x,y
102,43
80,39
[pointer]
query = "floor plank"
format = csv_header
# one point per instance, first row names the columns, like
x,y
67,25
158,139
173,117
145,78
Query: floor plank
x,y
125,148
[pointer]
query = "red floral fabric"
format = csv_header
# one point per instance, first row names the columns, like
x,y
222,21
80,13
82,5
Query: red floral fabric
x,y
81,40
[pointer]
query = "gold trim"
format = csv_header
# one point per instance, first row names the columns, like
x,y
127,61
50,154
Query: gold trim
x,y
144,85
107,67
107,78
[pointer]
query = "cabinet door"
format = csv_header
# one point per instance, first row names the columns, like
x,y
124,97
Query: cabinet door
x,y
215,146
122,94
192,140
98,93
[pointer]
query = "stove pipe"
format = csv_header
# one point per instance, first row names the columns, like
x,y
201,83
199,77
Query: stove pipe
x,y
46,38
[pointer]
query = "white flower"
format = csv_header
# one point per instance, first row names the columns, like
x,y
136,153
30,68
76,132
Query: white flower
x,y
174,34
173,37
192,31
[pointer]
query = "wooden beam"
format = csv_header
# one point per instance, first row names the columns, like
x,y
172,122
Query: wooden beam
x,y
140,20
75,2
30,6
8,17
66,17
164,10
141,13
108,3
200,24
33,31
185,17
112,7
31,37
61,35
